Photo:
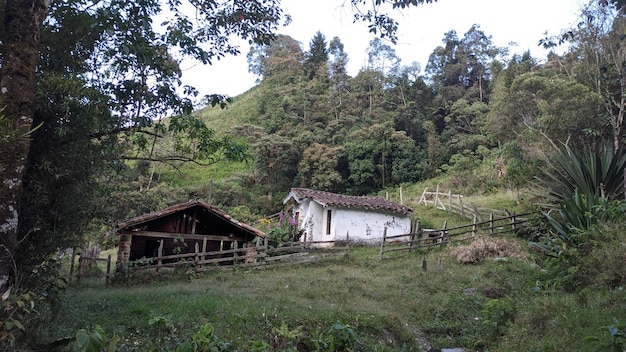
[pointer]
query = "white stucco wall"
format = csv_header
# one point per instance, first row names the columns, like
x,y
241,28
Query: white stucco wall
x,y
362,225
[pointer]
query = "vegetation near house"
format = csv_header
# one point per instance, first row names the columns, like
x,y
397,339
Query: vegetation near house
x,y
95,132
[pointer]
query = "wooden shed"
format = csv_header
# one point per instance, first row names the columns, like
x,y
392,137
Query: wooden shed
x,y
179,228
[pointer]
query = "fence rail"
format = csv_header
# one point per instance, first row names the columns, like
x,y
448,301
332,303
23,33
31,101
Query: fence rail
x,y
454,203
255,256
425,238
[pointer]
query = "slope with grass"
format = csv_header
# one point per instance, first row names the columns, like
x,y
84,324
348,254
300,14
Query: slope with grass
x,y
369,304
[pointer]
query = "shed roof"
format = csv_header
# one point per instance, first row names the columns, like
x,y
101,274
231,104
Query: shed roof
x,y
139,221
345,201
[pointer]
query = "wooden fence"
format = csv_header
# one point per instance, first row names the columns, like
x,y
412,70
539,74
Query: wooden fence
x,y
88,267
424,238
454,203
262,255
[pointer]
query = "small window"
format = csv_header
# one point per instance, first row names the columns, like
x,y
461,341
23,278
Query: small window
x,y
328,221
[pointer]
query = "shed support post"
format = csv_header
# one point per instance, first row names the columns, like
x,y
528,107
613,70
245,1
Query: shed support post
x,y
159,255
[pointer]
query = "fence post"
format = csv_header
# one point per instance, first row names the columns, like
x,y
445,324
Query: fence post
x,y
444,235
423,197
513,223
72,264
450,200
401,197
108,269
474,226
437,196
382,244
348,239
491,224
461,206
235,246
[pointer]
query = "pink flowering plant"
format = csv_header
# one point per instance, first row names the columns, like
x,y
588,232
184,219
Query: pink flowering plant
x,y
283,229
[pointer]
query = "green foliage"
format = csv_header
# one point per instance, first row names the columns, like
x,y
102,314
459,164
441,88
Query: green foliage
x,y
498,315
16,311
283,229
593,173
95,341
610,338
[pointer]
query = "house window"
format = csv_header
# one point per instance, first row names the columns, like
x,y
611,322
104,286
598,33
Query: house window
x,y
328,219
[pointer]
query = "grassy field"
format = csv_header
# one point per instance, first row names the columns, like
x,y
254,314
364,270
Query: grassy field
x,y
367,303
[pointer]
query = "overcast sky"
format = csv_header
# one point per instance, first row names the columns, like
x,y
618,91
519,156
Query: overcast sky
x,y
421,30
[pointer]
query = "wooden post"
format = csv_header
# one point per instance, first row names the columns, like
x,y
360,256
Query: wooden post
x,y
461,206
108,269
513,223
445,236
221,245
401,197
491,224
193,222
235,248
423,197
449,200
160,254
197,256
437,196
474,227
348,239
204,242
424,265
382,244
69,279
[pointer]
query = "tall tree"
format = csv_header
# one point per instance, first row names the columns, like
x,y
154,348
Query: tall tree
x,y
599,48
338,75
22,24
317,56
123,63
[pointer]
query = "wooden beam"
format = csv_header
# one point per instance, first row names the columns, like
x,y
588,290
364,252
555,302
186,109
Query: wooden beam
x,y
179,235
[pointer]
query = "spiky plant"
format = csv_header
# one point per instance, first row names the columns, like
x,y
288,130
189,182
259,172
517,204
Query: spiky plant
x,y
593,172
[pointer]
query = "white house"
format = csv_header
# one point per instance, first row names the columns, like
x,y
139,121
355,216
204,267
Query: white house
x,y
325,216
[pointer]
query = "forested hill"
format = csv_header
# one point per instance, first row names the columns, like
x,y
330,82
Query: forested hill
x,y
473,112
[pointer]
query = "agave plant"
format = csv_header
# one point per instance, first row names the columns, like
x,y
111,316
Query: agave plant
x,y
579,185
595,173
569,228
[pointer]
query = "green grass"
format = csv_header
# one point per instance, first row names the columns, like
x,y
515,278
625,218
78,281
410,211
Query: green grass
x,y
197,176
391,304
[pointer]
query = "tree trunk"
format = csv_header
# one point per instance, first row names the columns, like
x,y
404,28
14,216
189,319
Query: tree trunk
x,y
23,19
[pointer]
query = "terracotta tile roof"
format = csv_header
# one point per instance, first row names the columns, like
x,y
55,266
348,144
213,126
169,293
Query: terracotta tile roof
x,y
340,200
138,220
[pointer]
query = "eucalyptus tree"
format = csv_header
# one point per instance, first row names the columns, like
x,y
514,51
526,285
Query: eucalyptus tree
x,y
281,66
545,111
598,55
338,75
460,71
381,57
